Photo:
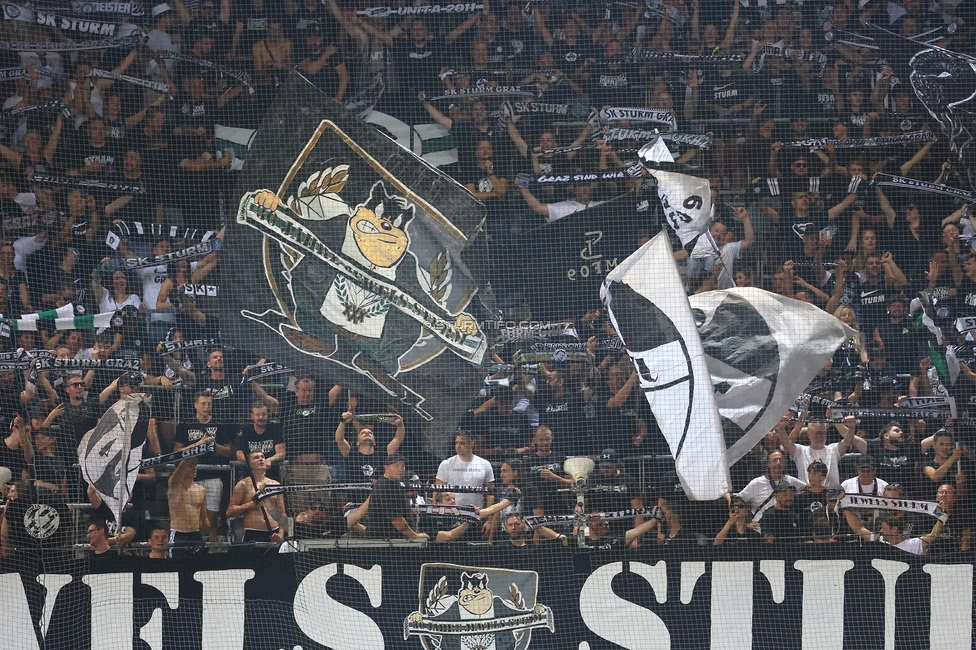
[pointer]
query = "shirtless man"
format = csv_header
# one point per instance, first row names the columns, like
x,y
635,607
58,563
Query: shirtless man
x,y
260,524
188,518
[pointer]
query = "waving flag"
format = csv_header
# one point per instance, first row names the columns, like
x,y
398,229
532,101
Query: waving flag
x,y
110,454
762,350
687,200
649,309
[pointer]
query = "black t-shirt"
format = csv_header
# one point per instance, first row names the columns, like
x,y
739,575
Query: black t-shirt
x,y
190,433
78,420
419,66
192,113
363,467
226,398
106,155
251,441
783,525
12,459
309,428
967,297
902,345
896,466
387,502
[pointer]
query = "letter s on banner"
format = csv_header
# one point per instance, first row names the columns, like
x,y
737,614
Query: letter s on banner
x,y
614,619
331,623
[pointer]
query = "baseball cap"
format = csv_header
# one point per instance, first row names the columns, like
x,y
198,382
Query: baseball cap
x,y
395,458
608,458
867,461
782,486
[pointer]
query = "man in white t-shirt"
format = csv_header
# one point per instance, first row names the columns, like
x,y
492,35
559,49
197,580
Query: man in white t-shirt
x,y
758,493
721,247
582,199
464,468
818,449
866,482
891,527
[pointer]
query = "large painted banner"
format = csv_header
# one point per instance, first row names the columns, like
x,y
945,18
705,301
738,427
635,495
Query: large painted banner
x,y
367,259
810,597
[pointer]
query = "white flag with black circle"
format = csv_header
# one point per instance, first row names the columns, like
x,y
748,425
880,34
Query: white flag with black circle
x,y
109,457
762,350
647,304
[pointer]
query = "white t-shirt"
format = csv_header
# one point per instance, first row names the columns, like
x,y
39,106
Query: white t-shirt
x,y
472,473
108,303
853,486
565,208
829,456
913,545
757,494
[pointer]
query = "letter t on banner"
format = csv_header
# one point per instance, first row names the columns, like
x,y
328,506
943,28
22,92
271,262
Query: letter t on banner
x,y
650,311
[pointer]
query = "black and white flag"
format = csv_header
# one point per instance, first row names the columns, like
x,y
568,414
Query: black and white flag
x,y
762,350
647,304
111,453
687,200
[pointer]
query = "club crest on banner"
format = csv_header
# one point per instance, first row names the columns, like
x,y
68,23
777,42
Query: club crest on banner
x,y
41,521
354,259
468,607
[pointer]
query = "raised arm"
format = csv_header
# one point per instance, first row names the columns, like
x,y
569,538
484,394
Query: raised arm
x,y
848,431
340,434
398,438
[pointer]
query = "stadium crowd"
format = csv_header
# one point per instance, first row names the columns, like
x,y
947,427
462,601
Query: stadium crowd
x,y
124,147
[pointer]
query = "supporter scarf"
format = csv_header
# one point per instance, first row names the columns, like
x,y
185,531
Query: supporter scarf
x,y
484,91
129,263
692,59
461,513
889,180
363,102
124,8
518,72
262,370
602,343
619,133
495,368
83,183
654,115
544,520
51,105
238,75
904,505
521,108
72,24
169,347
200,290
660,9
692,140
105,44
535,332
524,180
559,356
859,143
775,50
274,490
177,456
377,417
114,364
63,318
839,413
6,74
851,38
449,8
127,229
158,86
